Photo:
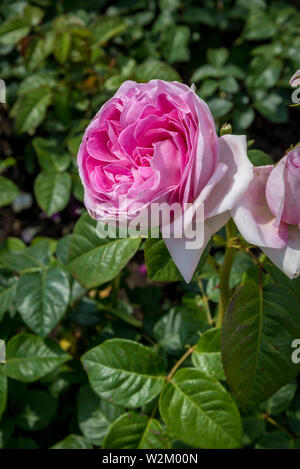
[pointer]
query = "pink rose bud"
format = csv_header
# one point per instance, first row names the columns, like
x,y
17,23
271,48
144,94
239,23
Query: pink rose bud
x,y
156,142
295,80
269,213
283,189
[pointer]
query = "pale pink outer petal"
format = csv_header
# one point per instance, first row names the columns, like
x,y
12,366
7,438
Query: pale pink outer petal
x,y
254,219
288,258
186,260
275,190
233,153
283,189
235,172
295,80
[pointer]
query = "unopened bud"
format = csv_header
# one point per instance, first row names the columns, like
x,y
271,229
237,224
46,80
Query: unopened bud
x,y
226,129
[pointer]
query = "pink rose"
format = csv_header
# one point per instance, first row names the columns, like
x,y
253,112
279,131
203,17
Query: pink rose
x,y
269,213
156,142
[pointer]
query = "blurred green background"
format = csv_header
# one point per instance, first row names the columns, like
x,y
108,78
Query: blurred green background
x,y
62,60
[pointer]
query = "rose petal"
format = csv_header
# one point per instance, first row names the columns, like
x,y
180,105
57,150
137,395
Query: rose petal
x,y
283,189
233,153
275,190
186,260
288,258
253,217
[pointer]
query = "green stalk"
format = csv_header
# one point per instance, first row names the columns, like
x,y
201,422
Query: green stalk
x,y
126,317
225,272
205,302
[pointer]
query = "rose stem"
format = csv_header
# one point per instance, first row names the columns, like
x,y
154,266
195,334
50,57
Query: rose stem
x,y
225,272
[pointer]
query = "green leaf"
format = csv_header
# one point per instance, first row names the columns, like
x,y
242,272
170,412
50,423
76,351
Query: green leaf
x,y
198,410
93,260
42,299
194,14
8,191
38,50
155,69
218,57
257,333
293,416
276,440
194,319
13,30
62,104
73,144
242,263
105,28
229,85
160,265
12,243
33,15
7,163
243,118
253,429
208,88
264,73
233,70
52,191
29,357
136,431
37,80
33,258
35,410
281,279
259,158
206,71
62,248
177,44
3,393
179,327
8,285
273,108
51,157
6,430
87,312
124,372
259,27
73,442
281,400
220,107
207,355
273,49
62,46
213,287
31,109
94,415
77,188
113,82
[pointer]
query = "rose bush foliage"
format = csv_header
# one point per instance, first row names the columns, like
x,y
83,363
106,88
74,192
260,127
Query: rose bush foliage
x,y
97,355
